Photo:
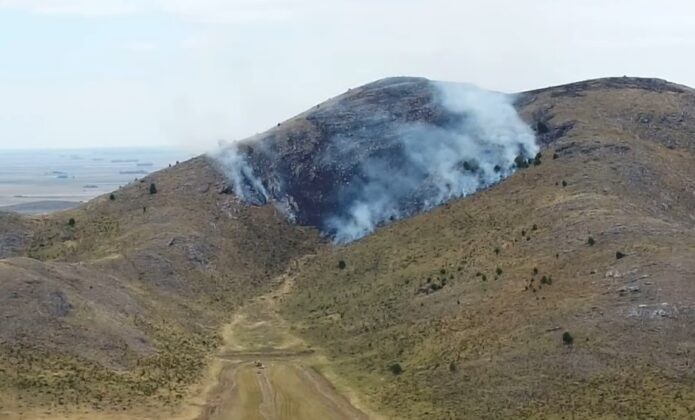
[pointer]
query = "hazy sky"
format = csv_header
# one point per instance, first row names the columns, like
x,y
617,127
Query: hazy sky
x,y
79,73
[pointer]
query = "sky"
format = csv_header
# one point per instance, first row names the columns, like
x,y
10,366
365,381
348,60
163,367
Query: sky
x,y
187,73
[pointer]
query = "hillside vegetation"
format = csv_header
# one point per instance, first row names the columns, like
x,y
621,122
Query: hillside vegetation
x,y
119,303
565,290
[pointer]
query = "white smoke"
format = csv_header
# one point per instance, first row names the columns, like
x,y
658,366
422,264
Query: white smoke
x,y
401,168
246,185
441,163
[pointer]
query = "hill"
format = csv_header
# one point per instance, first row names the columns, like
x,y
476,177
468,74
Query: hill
x,y
119,303
567,288
561,284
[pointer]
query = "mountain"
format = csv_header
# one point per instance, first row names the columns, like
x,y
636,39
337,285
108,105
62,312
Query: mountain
x,y
547,274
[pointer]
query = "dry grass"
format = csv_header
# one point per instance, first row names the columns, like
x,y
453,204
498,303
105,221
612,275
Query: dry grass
x,y
489,342
129,300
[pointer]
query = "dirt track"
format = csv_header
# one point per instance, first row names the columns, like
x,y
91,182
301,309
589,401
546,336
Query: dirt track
x,y
265,373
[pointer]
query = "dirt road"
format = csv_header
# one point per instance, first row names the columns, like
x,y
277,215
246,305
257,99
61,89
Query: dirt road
x,y
265,372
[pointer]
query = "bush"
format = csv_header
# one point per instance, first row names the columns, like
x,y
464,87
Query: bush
x,y
341,264
555,156
112,197
537,159
564,183
497,251
619,255
71,222
567,338
542,128
535,270
153,188
590,241
396,369
498,271
520,162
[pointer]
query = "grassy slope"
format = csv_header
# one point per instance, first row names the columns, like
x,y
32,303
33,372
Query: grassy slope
x,y
490,347
124,307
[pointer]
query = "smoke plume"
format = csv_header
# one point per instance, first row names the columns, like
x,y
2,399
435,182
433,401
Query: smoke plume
x,y
465,140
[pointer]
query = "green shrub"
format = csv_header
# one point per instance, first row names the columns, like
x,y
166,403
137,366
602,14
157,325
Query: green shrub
x,y
590,241
341,264
71,222
542,128
153,188
112,197
396,369
619,255
498,271
567,338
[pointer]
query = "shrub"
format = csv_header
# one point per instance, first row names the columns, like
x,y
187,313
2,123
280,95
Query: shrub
x,y
555,156
542,128
590,241
535,270
537,159
396,369
112,197
619,255
498,271
497,251
564,183
520,162
153,188
484,277
71,222
535,227
567,338
341,264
